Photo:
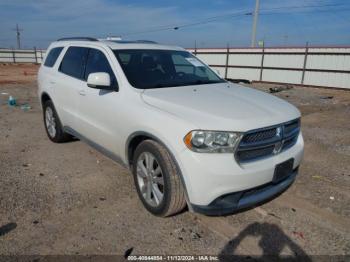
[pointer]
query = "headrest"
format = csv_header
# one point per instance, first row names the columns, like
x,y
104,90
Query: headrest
x,y
148,62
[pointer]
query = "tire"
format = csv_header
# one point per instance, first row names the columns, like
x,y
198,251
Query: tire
x,y
173,200
53,126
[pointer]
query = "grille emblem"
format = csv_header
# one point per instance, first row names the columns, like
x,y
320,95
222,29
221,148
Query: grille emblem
x,y
278,145
279,131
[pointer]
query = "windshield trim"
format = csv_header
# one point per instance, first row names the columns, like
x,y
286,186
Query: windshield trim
x,y
189,84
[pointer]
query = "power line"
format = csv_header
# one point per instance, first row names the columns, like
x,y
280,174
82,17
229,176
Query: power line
x,y
307,11
300,6
241,13
226,16
176,27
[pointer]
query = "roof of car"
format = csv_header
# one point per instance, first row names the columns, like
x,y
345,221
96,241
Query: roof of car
x,y
117,44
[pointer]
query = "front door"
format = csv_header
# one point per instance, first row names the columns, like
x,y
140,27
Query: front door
x,y
98,109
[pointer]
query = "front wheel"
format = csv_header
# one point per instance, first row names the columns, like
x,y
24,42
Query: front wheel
x,y
157,179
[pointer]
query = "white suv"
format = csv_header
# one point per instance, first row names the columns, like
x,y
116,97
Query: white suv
x,y
188,136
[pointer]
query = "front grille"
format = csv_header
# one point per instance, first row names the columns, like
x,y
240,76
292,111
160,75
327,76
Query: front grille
x,y
269,141
258,136
289,143
290,127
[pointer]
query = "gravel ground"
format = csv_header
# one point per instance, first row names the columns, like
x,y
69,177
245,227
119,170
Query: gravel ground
x,y
68,199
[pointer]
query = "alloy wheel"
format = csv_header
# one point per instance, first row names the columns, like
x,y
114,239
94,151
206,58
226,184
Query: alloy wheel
x,y
150,179
50,122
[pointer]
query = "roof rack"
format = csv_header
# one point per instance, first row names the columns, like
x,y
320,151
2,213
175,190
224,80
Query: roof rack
x,y
80,38
146,41
133,41
77,39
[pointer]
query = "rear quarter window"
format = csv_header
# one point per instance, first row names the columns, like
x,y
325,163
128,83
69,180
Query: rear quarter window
x,y
52,56
73,62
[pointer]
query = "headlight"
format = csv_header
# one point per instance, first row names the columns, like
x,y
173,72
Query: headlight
x,y
212,141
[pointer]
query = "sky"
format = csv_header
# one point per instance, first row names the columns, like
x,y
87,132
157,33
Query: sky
x,y
215,23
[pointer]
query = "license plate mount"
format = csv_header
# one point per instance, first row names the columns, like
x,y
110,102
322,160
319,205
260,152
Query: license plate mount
x,y
283,170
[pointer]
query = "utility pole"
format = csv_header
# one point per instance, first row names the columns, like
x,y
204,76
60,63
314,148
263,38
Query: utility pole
x,y
255,22
18,34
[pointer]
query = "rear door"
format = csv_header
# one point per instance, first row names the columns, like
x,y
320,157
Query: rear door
x,y
70,82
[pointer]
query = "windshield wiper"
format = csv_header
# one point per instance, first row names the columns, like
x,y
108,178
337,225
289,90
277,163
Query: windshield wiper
x,y
159,86
200,82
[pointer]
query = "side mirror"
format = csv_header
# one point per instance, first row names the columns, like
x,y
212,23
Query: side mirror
x,y
99,80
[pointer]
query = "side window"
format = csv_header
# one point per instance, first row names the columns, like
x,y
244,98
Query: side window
x,y
73,61
125,58
97,62
52,56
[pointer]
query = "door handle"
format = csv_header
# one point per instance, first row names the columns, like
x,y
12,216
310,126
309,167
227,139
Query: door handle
x,y
82,92
52,82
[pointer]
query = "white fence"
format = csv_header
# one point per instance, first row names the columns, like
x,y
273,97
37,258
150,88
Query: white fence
x,y
21,55
312,66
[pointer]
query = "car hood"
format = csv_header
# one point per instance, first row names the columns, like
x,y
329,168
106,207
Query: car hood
x,y
223,106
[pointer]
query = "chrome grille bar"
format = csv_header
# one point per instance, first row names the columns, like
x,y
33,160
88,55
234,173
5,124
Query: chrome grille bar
x,y
268,141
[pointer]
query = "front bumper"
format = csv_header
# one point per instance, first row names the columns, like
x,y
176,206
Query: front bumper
x,y
234,202
208,177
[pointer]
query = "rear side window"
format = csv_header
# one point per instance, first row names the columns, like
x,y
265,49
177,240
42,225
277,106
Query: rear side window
x,y
97,62
52,56
73,62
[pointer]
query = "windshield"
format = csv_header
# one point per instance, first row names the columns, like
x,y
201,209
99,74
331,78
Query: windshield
x,y
164,68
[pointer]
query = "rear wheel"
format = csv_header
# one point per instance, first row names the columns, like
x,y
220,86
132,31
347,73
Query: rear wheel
x,y
157,179
53,124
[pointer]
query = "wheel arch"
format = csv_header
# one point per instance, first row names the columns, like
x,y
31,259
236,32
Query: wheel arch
x,y
44,97
138,137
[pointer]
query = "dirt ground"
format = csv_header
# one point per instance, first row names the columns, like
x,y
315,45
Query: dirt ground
x,y
68,199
